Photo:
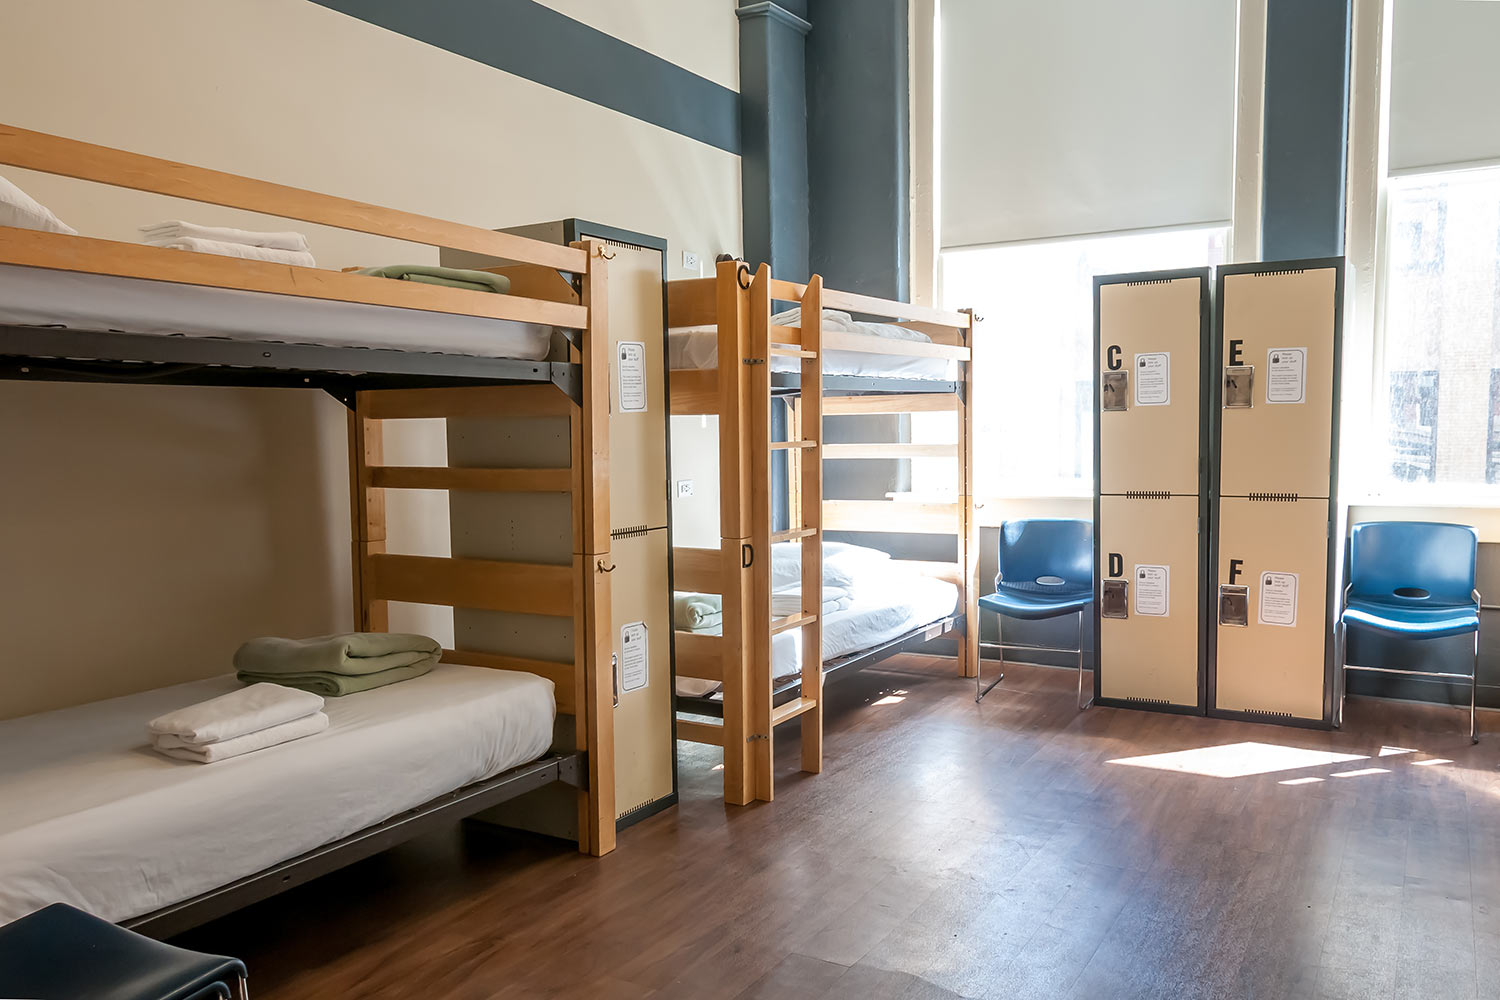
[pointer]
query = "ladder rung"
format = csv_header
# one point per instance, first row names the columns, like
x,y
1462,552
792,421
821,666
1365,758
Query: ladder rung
x,y
791,621
786,334
792,709
790,445
711,733
792,536
792,352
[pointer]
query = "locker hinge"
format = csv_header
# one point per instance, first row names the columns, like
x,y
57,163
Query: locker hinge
x,y
1274,497
633,531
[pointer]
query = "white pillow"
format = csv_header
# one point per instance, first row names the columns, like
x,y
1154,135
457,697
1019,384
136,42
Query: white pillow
x,y
19,209
842,563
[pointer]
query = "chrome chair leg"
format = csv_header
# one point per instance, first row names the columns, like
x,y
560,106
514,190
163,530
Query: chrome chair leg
x,y
1474,691
1340,637
1081,703
979,689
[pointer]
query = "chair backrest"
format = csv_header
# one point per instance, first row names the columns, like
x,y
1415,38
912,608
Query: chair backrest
x,y
1036,547
1389,557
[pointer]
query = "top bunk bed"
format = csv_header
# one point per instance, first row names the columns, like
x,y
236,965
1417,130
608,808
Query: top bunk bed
x,y
869,345
75,307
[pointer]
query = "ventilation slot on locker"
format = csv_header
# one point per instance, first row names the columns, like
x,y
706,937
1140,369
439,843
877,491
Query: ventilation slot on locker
x,y
1149,494
1274,497
1269,714
1146,701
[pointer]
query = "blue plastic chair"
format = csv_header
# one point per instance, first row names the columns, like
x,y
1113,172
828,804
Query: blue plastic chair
x,y
1046,571
62,952
1412,580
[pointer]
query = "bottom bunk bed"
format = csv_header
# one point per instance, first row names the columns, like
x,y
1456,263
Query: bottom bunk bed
x,y
895,608
96,819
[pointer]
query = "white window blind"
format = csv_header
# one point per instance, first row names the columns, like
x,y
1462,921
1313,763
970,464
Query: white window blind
x,y
1070,117
1445,83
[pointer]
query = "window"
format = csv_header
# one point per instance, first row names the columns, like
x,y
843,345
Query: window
x,y
1033,366
1435,394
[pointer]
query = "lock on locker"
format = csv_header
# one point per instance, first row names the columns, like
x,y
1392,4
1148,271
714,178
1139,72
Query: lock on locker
x,y
1149,645
1273,641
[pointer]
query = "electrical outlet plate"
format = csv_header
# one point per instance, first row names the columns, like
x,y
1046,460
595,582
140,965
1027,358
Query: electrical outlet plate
x,y
690,262
684,487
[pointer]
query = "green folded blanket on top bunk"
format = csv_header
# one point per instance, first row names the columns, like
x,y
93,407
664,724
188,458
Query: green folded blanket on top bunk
x,y
336,665
450,277
697,612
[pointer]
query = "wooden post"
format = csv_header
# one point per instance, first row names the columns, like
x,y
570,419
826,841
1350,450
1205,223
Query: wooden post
x,y
367,513
810,504
758,364
592,564
968,545
731,311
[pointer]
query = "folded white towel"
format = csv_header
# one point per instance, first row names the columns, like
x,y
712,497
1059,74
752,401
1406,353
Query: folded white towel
x,y
789,602
207,753
21,210
248,710
292,257
177,229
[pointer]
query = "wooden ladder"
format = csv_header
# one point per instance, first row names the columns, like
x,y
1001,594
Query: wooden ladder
x,y
803,448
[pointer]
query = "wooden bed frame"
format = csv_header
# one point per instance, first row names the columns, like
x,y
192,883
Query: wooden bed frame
x,y
739,307
559,286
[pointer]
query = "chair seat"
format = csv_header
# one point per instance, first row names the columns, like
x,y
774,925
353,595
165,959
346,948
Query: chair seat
x,y
62,952
1034,604
1409,618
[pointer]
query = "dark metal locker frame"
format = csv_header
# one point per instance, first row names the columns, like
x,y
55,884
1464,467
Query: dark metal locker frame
x,y
1335,539
1207,372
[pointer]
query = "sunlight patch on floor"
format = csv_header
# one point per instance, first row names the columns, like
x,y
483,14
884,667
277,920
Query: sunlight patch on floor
x,y
1393,751
1238,760
1361,772
1300,781
1431,763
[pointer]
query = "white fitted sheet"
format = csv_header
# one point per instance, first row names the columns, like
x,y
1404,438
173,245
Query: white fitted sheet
x,y
38,296
698,347
884,607
93,818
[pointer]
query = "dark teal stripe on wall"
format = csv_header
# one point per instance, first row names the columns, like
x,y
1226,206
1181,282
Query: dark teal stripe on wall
x,y
1305,135
539,44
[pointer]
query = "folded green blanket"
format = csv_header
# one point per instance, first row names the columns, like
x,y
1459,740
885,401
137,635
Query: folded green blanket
x,y
697,611
332,685
451,277
350,653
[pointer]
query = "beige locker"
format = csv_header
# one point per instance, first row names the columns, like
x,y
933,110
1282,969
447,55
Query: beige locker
x,y
1150,344
1274,663
644,768
1279,329
1151,546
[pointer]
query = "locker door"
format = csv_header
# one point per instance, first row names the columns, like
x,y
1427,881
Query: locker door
x,y
643,717
1279,328
1278,551
637,437
1150,655
1150,332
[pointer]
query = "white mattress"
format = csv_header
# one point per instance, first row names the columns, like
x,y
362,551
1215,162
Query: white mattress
x,y
93,818
698,347
35,296
882,609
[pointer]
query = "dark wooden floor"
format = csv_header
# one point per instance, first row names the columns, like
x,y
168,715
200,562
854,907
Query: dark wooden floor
x,y
950,849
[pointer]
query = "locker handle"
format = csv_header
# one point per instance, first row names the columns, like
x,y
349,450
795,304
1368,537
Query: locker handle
x,y
614,677
603,568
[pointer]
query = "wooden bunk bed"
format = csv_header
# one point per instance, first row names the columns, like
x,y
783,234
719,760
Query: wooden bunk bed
x,y
737,308
74,308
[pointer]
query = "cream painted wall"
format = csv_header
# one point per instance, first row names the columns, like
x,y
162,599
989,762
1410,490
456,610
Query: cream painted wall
x,y
699,35
154,528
